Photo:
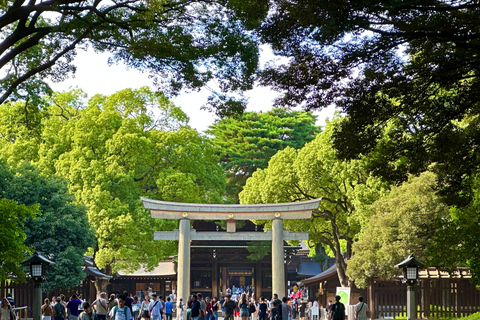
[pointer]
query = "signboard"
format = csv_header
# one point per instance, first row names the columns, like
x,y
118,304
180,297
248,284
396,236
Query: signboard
x,y
344,293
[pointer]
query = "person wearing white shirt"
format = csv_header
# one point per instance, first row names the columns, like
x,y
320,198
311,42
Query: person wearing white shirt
x,y
361,309
121,312
101,306
154,307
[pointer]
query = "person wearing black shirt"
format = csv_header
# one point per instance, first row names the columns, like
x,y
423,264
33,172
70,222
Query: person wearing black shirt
x,y
229,306
128,301
338,309
195,313
262,309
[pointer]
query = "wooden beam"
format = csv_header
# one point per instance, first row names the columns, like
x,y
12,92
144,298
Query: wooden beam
x,y
200,211
227,236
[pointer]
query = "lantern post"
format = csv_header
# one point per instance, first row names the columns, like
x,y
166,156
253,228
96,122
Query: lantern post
x,y
410,268
38,264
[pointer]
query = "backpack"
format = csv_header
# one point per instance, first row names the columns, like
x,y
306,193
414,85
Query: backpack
x,y
59,310
339,311
252,308
125,307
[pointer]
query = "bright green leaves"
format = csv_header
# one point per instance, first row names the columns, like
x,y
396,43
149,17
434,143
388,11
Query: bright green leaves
x,y
403,222
115,149
12,237
345,187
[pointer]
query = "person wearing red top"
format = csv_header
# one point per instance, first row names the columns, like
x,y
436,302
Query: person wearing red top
x,y
209,309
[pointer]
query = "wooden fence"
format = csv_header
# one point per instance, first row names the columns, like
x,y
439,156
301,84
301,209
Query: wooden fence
x,y
435,299
23,293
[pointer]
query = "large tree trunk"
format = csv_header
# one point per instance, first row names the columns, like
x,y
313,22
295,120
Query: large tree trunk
x,y
339,258
101,285
341,270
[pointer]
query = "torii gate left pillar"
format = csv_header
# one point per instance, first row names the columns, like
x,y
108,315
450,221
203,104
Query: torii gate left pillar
x,y
183,269
192,211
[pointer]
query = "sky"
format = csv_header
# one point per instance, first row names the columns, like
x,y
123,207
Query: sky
x,y
94,76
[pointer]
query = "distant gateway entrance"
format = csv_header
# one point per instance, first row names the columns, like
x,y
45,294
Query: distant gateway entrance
x,y
193,211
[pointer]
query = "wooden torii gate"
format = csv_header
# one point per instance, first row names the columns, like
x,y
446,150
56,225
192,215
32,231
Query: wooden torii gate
x,y
185,212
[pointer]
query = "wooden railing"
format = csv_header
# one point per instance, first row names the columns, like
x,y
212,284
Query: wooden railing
x,y
21,310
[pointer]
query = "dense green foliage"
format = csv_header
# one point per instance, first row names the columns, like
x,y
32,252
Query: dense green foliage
x,y
457,241
475,316
12,235
403,222
61,231
247,143
405,73
346,188
47,222
113,150
412,62
183,44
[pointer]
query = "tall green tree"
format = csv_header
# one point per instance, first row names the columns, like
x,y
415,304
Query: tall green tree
x,y
246,143
184,44
12,235
413,62
60,231
114,149
402,222
455,242
346,188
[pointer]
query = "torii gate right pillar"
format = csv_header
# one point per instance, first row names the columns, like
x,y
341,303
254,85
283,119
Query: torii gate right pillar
x,y
278,268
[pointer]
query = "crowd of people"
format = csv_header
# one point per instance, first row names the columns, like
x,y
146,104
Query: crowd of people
x,y
241,305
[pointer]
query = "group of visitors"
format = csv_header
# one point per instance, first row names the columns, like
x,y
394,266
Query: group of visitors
x,y
115,307
128,307
242,307
236,292
336,311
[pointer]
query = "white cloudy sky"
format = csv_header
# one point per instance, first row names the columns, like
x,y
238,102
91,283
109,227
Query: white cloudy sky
x,y
94,75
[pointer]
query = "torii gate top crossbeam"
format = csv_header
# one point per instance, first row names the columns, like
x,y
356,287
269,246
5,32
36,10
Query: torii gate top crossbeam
x,y
201,211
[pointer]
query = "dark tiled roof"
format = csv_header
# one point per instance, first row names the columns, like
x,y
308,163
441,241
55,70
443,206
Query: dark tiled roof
x,y
308,268
321,276
96,273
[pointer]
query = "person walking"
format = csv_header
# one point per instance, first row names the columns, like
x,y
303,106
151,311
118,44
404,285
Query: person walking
x,y
73,307
208,309
262,309
286,309
361,309
59,310
168,309
338,309
144,308
121,311
180,307
87,313
136,308
215,307
101,306
229,306
47,311
154,307
243,305
195,308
